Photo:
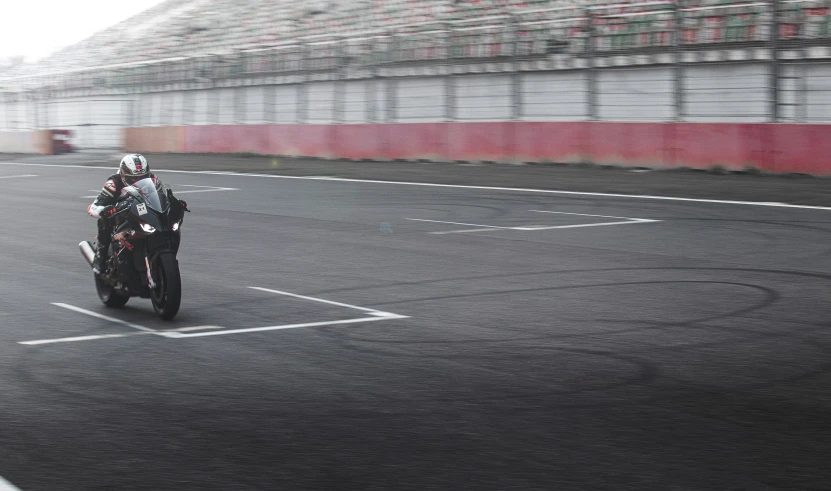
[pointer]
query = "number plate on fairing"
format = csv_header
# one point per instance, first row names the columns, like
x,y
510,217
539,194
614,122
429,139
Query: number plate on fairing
x,y
141,208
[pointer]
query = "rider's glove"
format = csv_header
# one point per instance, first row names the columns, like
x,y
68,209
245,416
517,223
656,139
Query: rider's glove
x,y
184,205
108,211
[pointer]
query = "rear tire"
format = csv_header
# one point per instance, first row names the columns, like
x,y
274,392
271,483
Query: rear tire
x,y
167,296
109,297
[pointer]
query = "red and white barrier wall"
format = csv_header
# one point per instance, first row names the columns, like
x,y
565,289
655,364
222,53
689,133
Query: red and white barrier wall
x,y
779,148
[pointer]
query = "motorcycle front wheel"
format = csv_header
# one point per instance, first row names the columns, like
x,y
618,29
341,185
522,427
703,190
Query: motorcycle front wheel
x,y
167,295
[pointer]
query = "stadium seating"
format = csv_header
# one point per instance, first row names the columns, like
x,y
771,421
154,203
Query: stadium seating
x,y
381,31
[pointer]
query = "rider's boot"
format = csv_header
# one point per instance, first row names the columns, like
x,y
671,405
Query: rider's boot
x,y
99,264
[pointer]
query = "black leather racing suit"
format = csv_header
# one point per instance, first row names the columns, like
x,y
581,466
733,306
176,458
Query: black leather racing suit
x,y
109,197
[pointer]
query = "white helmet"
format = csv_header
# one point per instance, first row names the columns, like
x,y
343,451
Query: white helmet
x,y
133,168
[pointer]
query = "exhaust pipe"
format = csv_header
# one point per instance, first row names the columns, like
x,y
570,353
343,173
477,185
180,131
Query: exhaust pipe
x,y
86,250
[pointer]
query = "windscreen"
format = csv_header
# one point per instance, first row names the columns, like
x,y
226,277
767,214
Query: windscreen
x,y
146,191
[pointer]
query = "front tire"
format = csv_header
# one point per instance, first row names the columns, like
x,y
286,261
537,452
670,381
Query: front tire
x,y
167,296
108,296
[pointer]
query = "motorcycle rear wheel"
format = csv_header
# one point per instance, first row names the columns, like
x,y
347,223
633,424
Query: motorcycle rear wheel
x,y
108,296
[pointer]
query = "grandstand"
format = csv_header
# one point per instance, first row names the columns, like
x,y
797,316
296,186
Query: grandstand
x,y
481,28
475,79
191,27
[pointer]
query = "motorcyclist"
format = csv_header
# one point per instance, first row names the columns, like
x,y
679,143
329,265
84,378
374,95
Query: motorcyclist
x,y
132,169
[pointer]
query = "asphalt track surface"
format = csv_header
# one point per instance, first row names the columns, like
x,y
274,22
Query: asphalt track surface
x,y
681,345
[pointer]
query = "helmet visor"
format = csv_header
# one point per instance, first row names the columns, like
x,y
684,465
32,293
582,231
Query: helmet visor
x,y
130,180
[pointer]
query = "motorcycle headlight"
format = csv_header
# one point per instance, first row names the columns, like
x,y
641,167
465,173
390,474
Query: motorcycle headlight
x,y
176,226
148,228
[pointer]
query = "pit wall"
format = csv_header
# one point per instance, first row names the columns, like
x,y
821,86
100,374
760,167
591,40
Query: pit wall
x,y
27,141
775,148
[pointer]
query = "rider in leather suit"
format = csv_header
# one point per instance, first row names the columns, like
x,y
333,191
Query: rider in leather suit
x,y
132,169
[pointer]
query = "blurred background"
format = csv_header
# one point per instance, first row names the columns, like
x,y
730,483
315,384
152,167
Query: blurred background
x,y
208,62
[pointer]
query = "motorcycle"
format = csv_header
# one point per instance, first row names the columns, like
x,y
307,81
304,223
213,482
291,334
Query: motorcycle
x,y
145,241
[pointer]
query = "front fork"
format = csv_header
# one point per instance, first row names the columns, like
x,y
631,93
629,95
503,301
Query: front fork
x,y
150,283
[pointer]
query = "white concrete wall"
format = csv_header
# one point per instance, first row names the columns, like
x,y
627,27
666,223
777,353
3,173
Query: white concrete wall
x,y
148,107
17,115
201,105
167,116
379,109
356,107
817,101
321,102
16,142
225,106
97,121
285,103
483,97
420,99
555,96
178,109
712,93
635,94
41,118
255,104
172,112
726,93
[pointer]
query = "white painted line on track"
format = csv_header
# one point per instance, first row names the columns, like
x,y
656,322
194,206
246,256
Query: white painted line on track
x,y
584,215
7,486
78,339
533,228
460,223
195,328
315,299
211,190
461,186
15,177
377,315
294,326
628,221
171,333
583,225
465,231
103,317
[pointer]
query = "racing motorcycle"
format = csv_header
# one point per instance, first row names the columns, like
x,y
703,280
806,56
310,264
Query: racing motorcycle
x,y
145,241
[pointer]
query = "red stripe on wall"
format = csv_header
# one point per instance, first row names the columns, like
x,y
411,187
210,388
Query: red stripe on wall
x,y
783,148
